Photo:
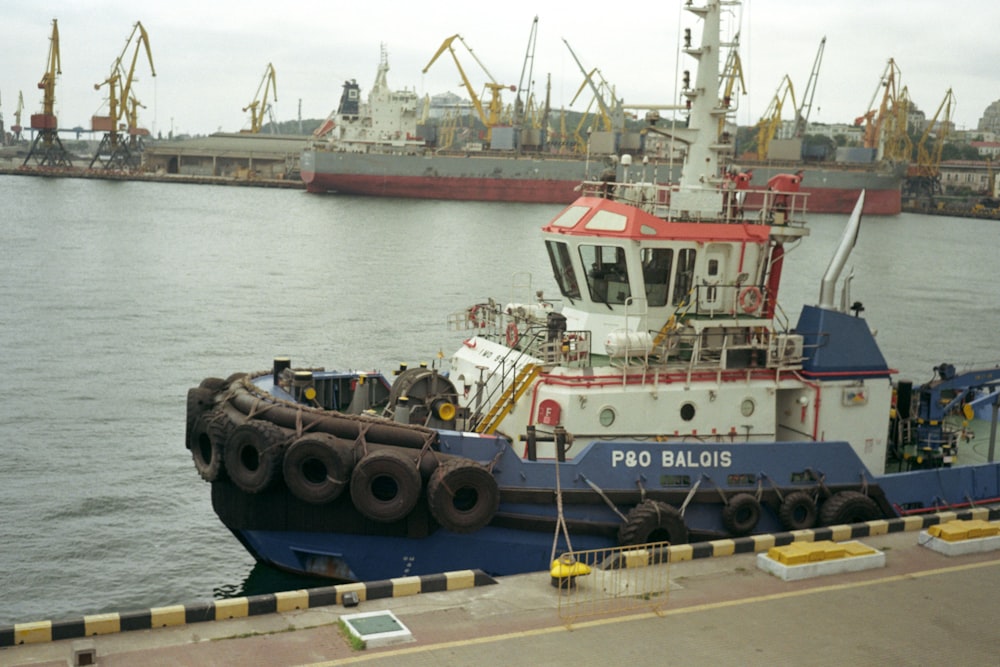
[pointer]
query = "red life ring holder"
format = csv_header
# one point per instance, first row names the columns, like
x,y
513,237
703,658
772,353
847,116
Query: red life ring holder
x,y
477,316
750,299
513,335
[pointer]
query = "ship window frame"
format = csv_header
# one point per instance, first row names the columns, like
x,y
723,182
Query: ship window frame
x,y
606,270
607,221
571,217
656,274
561,260
684,275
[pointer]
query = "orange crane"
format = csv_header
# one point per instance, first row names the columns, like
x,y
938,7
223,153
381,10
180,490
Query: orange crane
x,y
46,148
260,104
114,152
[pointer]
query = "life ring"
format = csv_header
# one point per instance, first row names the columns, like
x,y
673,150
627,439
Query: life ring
x,y
750,298
253,454
206,451
797,511
317,467
513,335
847,507
385,485
653,521
463,495
741,514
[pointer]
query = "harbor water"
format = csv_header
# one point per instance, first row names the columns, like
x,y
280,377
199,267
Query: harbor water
x,y
116,297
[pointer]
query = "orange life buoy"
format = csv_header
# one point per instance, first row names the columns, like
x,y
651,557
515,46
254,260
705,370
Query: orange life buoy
x,y
513,335
750,298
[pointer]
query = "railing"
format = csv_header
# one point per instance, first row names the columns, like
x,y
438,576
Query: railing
x,y
736,206
613,580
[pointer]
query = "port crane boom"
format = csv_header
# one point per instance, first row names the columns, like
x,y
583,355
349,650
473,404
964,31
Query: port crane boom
x,y
46,148
115,152
490,118
261,105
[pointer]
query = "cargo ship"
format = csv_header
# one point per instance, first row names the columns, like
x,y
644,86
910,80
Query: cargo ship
x,y
665,396
377,148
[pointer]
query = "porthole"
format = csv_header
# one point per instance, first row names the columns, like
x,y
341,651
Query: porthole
x,y
747,407
607,416
687,412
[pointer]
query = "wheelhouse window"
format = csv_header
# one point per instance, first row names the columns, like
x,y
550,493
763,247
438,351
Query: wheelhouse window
x,y
607,275
656,266
685,276
562,268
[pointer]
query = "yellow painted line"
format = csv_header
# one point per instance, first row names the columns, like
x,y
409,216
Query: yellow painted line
x,y
710,606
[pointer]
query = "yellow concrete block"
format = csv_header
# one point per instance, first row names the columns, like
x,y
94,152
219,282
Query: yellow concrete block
x,y
636,558
358,588
291,600
33,633
762,542
795,553
162,617
404,586
880,527
232,608
981,528
101,624
723,547
680,552
840,533
460,579
857,549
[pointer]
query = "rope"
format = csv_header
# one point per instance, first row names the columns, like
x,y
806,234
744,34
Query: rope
x,y
604,497
561,522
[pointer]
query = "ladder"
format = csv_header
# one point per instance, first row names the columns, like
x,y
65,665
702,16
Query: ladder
x,y
525,377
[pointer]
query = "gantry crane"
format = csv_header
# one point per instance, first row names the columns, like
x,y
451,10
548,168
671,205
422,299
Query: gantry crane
x,y
492,117
261,105
46,148
924,177
116,151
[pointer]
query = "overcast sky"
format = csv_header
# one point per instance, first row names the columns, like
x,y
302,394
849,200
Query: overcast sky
x,y
210,56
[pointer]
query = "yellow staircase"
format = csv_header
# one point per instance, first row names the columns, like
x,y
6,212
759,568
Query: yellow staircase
x,y
525,377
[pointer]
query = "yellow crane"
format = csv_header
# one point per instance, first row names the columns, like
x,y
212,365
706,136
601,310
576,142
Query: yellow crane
x,y
46,148
768,125
261,105
490,118
114,153
924,176
876,121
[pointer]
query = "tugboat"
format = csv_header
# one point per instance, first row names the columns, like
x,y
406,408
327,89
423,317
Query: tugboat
x,y
668,398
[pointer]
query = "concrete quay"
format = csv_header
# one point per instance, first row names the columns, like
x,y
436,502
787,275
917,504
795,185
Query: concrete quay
x,y
923,607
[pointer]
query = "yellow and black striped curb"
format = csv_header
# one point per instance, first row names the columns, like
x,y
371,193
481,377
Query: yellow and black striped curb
x,y
759,543
254,605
